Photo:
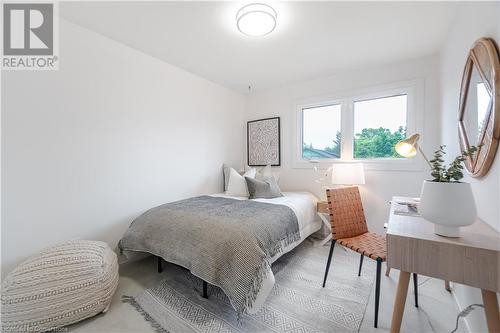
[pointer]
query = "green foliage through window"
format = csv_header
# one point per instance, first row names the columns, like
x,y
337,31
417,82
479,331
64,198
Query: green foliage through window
x,y
370,143
377,142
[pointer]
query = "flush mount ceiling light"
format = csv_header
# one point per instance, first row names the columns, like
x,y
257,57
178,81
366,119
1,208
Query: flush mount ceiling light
x,y
256,19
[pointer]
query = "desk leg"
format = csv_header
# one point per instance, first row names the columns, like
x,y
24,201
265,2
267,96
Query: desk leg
x,y
399,301
491,310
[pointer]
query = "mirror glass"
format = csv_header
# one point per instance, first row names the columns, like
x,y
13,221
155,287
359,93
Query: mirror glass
x,y
477,105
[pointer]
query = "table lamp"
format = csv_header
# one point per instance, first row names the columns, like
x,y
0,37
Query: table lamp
x,y
408,148
348,174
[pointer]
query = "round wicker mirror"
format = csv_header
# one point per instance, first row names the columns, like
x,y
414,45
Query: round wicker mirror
x,y
479,112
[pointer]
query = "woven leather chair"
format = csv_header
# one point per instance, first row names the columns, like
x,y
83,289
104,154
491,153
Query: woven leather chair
x,y
349,229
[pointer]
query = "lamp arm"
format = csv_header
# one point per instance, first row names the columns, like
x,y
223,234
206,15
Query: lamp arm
x,y
425,157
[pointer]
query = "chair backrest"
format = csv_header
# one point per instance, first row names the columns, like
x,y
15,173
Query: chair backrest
x,y
346,212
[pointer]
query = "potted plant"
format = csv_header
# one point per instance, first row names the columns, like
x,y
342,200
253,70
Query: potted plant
x,y
445,200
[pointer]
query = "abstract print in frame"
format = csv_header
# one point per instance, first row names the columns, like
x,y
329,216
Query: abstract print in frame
x,y
263,142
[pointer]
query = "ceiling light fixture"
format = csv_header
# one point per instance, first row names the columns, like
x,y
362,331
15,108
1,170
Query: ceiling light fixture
x,y
256,19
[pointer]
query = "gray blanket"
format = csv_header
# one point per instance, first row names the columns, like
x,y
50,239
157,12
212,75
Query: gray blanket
x,y
226,242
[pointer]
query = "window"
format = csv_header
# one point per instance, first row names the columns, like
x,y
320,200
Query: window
x,y
359,126
321,137
379,124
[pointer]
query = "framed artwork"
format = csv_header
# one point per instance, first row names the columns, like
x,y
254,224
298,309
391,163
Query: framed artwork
x,y
263,142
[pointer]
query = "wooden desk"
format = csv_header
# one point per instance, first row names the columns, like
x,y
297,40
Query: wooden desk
x,y
472,259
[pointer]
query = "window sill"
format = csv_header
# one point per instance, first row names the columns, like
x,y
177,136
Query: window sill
x,y
389,164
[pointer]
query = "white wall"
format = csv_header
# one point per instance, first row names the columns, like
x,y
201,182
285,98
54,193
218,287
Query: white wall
x,y
380,185
472,22
114,132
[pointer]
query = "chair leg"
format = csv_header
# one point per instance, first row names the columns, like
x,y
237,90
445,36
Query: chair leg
x,y
377,290
329,261
205,289
360,264
415,288
160,268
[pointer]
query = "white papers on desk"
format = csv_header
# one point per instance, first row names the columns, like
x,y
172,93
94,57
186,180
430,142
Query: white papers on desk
x,y
407,208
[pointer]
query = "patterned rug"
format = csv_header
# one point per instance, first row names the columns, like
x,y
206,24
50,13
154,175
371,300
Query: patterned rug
x,y
297,302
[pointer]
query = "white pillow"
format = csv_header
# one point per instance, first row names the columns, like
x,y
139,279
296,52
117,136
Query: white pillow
x,y
226,171
237,185
267,172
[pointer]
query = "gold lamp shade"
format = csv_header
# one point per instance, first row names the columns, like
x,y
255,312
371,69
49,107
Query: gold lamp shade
x,y
408,147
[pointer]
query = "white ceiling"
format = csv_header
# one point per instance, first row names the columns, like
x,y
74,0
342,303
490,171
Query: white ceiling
x,y
312,39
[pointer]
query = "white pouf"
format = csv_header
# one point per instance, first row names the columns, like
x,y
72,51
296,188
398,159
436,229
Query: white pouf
x,y
61,285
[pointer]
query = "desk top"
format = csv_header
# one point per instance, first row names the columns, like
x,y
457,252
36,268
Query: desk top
x,y
477,235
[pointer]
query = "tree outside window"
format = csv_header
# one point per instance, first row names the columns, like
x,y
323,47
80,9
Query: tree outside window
x,y
378,124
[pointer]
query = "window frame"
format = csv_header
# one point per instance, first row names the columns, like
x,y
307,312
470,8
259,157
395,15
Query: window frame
x,y
414,89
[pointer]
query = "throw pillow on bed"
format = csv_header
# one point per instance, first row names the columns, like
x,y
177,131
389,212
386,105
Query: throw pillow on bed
x,y
263,189
267,172
226,171
237,186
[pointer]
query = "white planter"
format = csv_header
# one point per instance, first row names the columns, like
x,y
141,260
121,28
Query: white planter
x,y
448,206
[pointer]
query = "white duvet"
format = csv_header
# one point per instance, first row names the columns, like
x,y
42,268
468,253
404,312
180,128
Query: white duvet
x,y
303,205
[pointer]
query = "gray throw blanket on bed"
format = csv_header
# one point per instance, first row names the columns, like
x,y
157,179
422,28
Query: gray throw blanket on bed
x,y
226,242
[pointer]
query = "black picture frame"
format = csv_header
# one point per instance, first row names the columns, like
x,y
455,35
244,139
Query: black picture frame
x,y
255,163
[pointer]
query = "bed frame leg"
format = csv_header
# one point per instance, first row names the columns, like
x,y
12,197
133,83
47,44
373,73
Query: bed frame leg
x,y
205,289
160,268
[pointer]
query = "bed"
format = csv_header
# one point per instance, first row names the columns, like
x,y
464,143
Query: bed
x,y
227,241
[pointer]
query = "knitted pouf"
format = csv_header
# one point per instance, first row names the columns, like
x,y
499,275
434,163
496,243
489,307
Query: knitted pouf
x,y
61,285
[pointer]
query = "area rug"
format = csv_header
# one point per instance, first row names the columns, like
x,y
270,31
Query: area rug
x,y
297,302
